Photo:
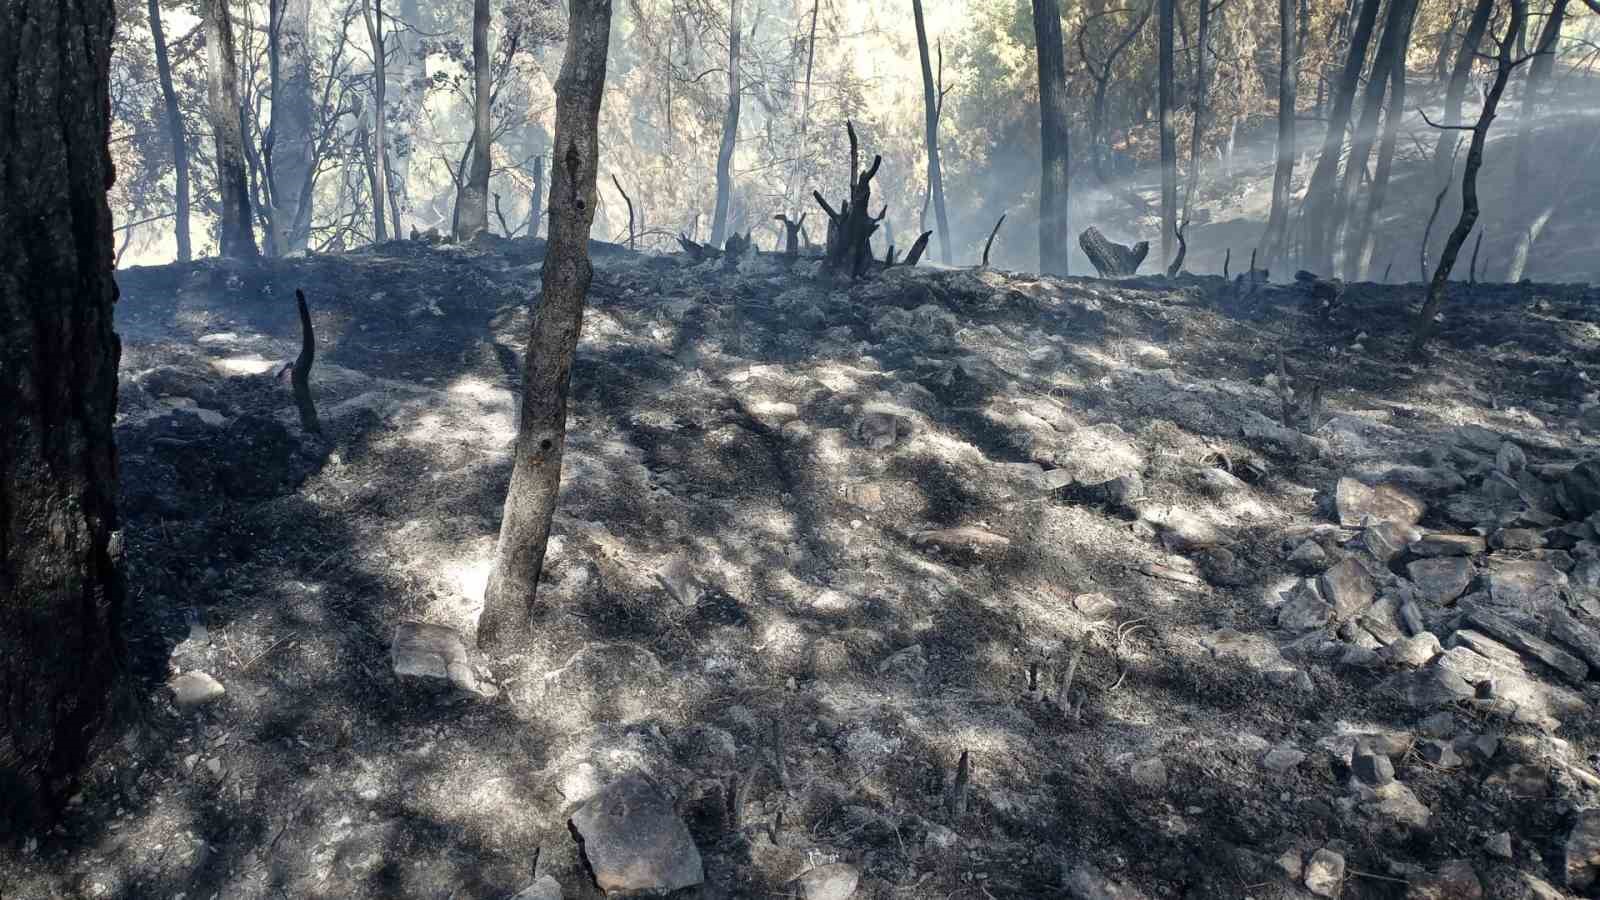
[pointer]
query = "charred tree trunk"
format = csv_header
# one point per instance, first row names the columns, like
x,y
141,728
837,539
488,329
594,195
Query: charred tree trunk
x,y
1169,138
300,378
1100,73
1529,186
506,624
472,202
1109,259
850,227
1504,63
292,152
1054,249
372,11
730,133
791,233
536,212
175,130
1444,151
628,200
1275,242
1358,253
1318,255
61,586
1201,117
236,237
931,103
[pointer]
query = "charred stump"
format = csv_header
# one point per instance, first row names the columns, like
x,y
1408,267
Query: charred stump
x,y
1112,260
850,228
791,233
918,247
300,380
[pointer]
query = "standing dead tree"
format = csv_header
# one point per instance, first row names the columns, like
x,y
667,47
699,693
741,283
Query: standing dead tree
x,y
1111,260
933,104
628,200
990,242
1504,64
850,228
791,233
301,368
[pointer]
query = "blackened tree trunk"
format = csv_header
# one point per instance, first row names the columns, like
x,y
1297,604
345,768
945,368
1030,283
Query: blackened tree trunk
x,y
1169,138
472,202
236,237
1530,186
509,599
1054,242
1318,255
1504,63
1201,110
293,111
372,12
180,143
1455,93
730,133
1358,254
536,209
931,101
1275,242
61,585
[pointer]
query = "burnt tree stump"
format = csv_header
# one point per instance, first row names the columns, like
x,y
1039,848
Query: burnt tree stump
x,y
850,228
1112,260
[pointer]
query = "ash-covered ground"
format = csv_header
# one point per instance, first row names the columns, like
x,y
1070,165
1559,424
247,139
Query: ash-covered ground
x,y
1198,634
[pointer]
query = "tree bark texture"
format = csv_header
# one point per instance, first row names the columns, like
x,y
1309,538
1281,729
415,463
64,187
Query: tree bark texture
x,y
509,599
372,11
61,584
293,118
175,129
472,203
930,107
1165,26
1318,255
1275,241
1110,259
1358,253
1054,242
236,237
1456,91
730,133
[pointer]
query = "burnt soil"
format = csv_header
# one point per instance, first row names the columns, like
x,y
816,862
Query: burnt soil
x,y
741,598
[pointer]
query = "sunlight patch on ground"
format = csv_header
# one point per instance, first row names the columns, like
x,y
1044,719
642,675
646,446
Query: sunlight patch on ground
x,y
244,365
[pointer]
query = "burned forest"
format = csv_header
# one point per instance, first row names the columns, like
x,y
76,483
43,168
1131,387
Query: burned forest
x,y
819,449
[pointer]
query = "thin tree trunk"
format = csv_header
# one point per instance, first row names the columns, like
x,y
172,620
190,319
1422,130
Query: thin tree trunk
x,y
372,11
175,129
1275,242
1201,111
1441,61
730,132
536,211
1169,138
1391,52
236,236
1358,254
61,586
1504,63
1455,93
472,202
412,68
930,106
1316,220
1528,184
506,624
1054,245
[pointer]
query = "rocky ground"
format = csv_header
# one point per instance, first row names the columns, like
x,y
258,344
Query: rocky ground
x,y
949,583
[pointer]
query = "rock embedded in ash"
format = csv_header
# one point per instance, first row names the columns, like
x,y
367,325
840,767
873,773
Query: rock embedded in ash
x,y
1357,504
1582,851
1441,580
965,540
1309,557
194,689
1530,585
1413,652
835,881
1499,845
1325,873
544,888
1579,490
1372,767
1305,609
1510,458
1393,804
1387,540
1454,880
1440,754
434,653
1435,544
1575,669
1089,883
1348,588
634,842
1435,686
1517,539
1094,606
1584,639
1282,758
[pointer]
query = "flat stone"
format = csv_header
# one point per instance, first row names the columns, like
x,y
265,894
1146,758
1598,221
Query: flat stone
x,y
1479,438
967,539
1441,581
1525,584
1517,539
1282,758
1357,504
1094,606
1434,686
1582,852
1575,669
1394,804
1305,609
1414,652
1348,588
1580,489
1089,883
1254,650
1373,768
1454,880
1382,620
1499,845
1325,873
195,688
544,888
834,881
434,653
1387,540
1448,545
1584,639
633,840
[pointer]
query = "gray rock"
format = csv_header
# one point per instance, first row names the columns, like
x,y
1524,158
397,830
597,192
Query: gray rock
x,y
880,430
1582,851
1530,585
1441,754
1454,880
1434,686
1282,758
1584,639
834,881
1150,774
1382,620
1325,873
1088,883
1448,545
1387,540
1510,459
1438,725
1305,609
1360,658
1372,767
1479,438
1441,581
195,688
1293,679
434,653
1411,618
1414,652
633,840
1394,804
1580,489
1358,504
1499,845
1517,539
964,540
1348,588
1573,668
912,663
1309,557
1094,606
544,888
